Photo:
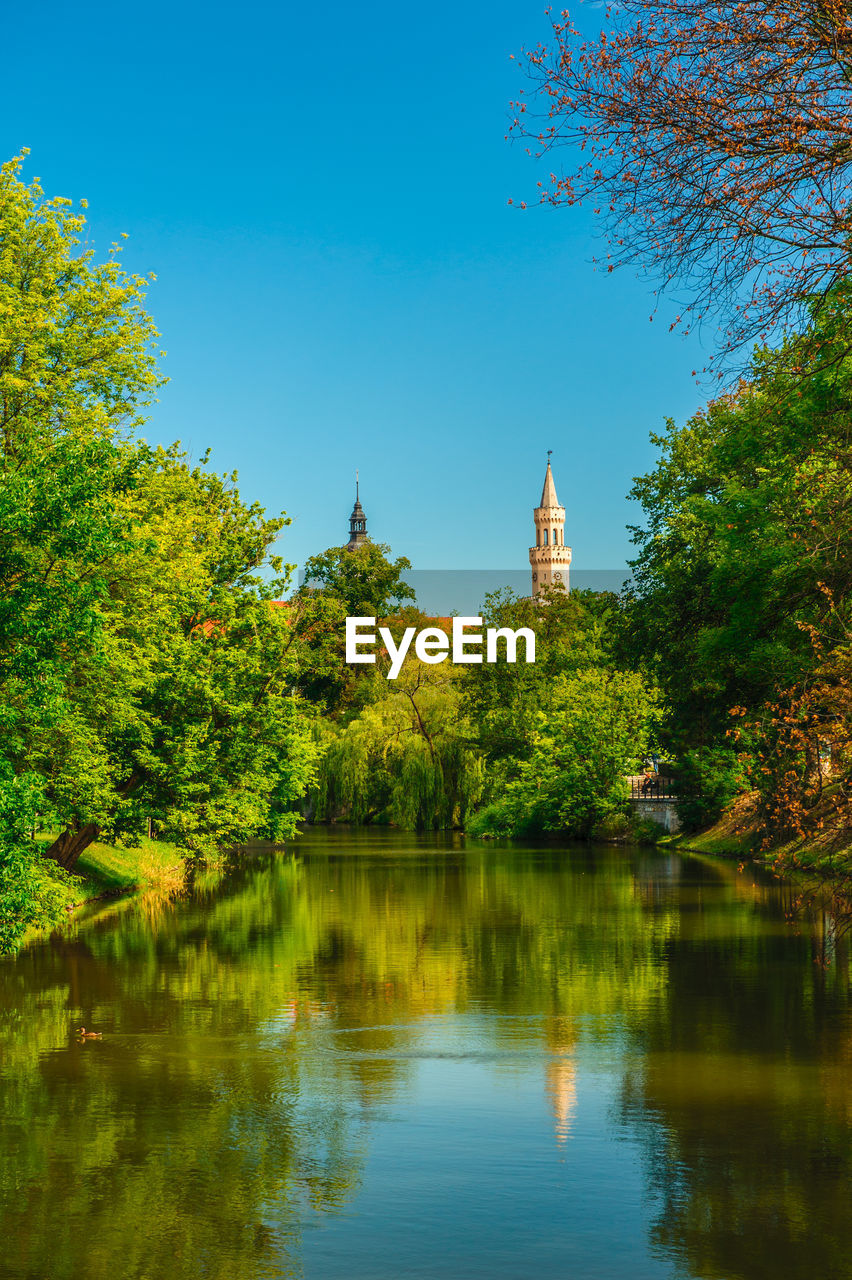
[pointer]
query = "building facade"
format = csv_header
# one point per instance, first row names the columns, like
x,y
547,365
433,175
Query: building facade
x,y
549,558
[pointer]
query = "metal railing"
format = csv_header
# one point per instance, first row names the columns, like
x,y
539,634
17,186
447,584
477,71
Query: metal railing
x,y
653,786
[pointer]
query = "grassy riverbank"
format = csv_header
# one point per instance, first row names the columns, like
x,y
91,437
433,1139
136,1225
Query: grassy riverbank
x,y
736,835
106,869
154,864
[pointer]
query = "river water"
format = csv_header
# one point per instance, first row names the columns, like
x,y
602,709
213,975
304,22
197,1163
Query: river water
x,y
396,1056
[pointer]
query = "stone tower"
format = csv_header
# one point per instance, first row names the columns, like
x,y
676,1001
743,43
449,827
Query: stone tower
x,y
549,558
357,523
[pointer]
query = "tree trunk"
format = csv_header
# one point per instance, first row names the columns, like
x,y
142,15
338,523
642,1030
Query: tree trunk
x,y
67,847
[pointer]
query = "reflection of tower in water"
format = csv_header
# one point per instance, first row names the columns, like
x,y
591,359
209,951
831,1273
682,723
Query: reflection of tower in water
x,y
561,1076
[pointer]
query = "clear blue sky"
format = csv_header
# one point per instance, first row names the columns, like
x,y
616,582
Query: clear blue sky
x,y
322,192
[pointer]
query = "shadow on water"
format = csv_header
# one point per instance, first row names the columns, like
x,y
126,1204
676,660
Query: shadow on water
x,y
483,1060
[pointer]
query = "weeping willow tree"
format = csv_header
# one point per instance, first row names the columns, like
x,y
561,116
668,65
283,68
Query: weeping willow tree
x,y
405,759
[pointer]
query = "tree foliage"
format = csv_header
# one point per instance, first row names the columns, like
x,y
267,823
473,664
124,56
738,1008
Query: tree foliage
x,y
503,700
143,672
338,584
406,757
748,513
595,725
184,714
30,890
742,580
365,581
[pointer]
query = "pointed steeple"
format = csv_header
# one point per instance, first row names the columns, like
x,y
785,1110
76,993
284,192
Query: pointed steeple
x,y
548,493
549,558
357,523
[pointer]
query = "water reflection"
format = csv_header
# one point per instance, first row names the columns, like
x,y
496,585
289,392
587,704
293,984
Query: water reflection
x,y
401,1054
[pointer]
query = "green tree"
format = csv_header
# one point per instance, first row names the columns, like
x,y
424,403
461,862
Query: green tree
x,y
504,700
77,364
407,757
366,581
340,584
596,725
30,893
143,670
747,516
187,714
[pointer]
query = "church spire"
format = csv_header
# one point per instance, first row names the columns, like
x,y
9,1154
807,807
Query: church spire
x,y
549,558
548,493
357,522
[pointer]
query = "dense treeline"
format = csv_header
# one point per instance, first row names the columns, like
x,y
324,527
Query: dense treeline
x,y
742,584
143,674
502,749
